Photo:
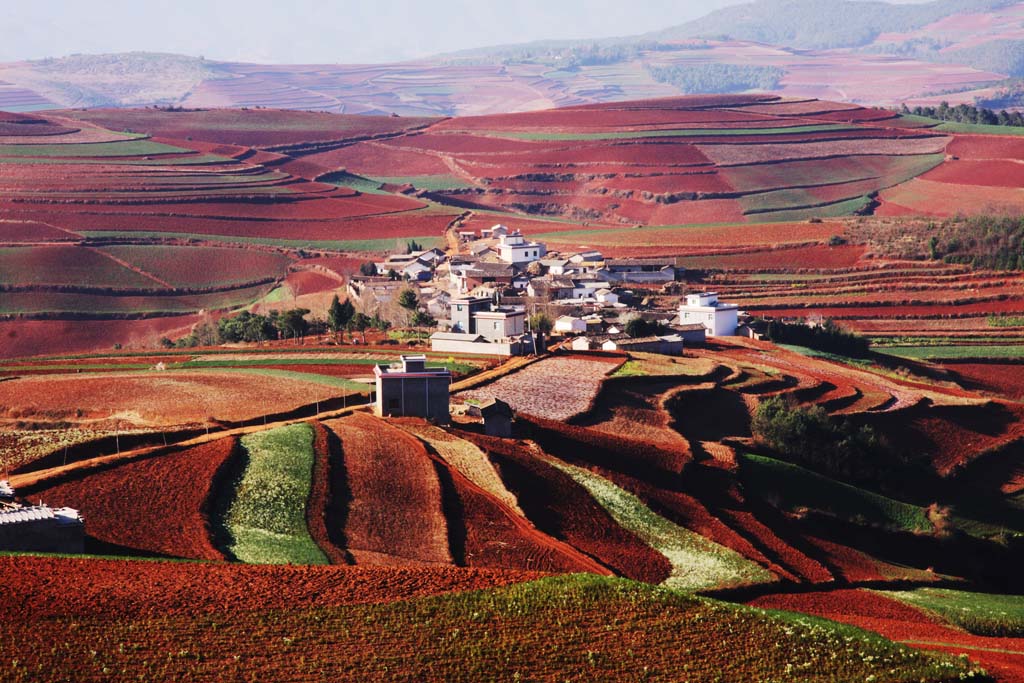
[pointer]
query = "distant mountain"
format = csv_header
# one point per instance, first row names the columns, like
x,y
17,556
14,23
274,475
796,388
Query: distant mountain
x,y
820,24
963,51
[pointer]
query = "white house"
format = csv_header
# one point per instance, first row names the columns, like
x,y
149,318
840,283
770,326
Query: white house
x,y
606,296
719,318
567,324
513,248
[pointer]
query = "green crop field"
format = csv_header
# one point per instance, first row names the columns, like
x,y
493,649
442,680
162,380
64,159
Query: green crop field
x,y
697,563
433,183
982,614
796,487
1010,351
267,518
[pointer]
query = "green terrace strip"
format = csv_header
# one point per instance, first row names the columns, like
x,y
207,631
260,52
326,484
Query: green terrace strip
x,y
1011,351
983,614
794,487
670,133
384,356
697,563
427,182
577,627
266,520
371,245
128,148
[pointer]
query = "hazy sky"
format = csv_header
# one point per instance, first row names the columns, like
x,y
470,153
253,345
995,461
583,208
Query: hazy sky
x,y
319,31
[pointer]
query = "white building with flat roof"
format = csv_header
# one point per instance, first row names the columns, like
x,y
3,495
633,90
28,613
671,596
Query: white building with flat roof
x,y
515,249
720,319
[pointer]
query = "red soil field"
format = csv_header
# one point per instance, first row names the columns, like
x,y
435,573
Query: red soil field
x,y
156,505
993,173
704,238
309,282
248,127
1002,657
378,159
157,399
202,267
986,147
32,231
486,532
730,155
395,513
398,225
563,509
1006,379
68,265
342,265
819,256
320,497
37,587
950,436
22,338
931,198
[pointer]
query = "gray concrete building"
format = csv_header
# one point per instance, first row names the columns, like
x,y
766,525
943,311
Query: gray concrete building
x,y
411,389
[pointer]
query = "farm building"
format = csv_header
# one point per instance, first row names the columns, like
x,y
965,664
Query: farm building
x,y
513,248
568,324
411,389
461,342
40,528
497,416
640,270
669,345
719,318
694,333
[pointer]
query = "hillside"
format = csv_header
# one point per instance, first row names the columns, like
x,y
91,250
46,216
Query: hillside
x,y
871,53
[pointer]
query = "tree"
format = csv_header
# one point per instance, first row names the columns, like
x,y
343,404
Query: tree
x,y
421,319
339,314
368,269
541,323
359,322
408,300
638,327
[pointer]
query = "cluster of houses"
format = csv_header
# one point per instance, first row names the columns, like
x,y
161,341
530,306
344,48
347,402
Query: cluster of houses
x,y
38,528
483,295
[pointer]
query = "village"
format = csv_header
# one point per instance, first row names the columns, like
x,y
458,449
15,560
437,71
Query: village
x,y
505,295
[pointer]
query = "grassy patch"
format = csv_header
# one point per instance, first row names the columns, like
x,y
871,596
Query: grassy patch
x,y
1011,351
267,518
792,487
697,563
847,207
432,183
983,614
631,368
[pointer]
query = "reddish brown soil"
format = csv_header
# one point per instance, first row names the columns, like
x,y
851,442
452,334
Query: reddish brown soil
x,y
561,508
1002,657
38,587
1006,379
395,514
156,505
21,338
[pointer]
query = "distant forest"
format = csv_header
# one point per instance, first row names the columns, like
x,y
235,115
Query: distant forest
x,y
718,78
965,113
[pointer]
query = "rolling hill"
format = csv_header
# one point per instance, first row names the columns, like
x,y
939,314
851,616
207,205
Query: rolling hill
x,y
864,52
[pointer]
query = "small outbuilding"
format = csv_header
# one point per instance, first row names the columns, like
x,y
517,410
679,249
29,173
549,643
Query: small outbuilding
x,y
411,389
497,416
568,324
